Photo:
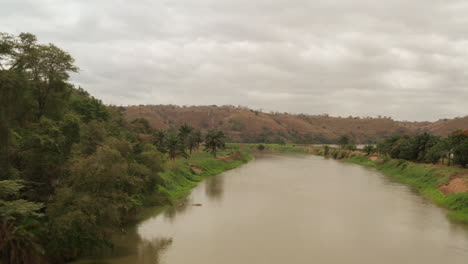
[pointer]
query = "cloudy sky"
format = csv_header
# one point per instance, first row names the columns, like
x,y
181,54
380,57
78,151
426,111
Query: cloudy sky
x,y
402,58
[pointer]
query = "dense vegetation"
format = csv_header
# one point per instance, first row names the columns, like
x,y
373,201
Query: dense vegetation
x,y
72,171
428,148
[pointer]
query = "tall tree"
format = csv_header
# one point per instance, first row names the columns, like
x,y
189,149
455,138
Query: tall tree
x,y
46,67
214,140
184,133
19,242
175,147
343,141
159,139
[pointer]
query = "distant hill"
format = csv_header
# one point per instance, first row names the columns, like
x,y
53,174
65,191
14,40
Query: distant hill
x,y
247,125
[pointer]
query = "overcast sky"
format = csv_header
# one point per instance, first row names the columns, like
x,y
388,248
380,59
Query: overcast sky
x,y
402,58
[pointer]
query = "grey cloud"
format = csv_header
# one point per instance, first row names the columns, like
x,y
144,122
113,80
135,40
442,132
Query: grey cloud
x,y
407,59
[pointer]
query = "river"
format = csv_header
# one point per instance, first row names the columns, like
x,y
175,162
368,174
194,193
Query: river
x,y
292,209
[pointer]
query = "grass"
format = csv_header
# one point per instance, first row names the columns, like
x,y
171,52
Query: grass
x,y
182,175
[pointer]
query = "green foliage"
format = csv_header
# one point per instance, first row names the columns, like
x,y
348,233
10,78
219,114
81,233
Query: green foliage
x,y
460,153
343,141
368,149
85,167
19,224
458,141
159,139
92,136
141,125
326,150
89,108
427,148
180,178
214,141
175,147
194,140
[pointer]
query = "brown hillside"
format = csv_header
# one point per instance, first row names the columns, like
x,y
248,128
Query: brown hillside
x,y
243,124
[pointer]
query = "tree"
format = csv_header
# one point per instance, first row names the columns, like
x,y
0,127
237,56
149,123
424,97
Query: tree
x,y
159,139
368,149
460,153
192,142
197,138
438,151
175,147
19,223
385,147
326,150
184,133
214,141
92,136
95,197
88,107
456,141
343,141
141,125
46,67
185,130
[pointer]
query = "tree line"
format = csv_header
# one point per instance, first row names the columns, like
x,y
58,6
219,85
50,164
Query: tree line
x,y
72,170
425,147
187,139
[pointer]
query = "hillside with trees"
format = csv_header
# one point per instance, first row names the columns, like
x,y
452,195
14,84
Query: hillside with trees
x,y
241,124
72,170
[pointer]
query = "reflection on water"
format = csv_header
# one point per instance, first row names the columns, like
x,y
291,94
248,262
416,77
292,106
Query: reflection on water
x,y
151,251
130,248
214,187
171,212
296,209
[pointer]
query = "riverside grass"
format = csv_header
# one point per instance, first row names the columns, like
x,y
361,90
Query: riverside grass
x,y
422,178
182,175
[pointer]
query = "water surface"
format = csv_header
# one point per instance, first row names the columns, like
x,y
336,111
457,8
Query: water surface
x,y
296,209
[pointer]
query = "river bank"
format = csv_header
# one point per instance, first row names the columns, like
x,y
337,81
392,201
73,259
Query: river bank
x,y
290,208
445,186
181,175
184,174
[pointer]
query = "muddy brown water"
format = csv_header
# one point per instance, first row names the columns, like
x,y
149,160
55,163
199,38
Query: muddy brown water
x,y
295,209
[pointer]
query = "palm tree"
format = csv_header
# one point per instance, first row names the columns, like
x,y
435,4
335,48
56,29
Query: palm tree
x,y
191,143
160,140
197,137
184,132
214,140
174,146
